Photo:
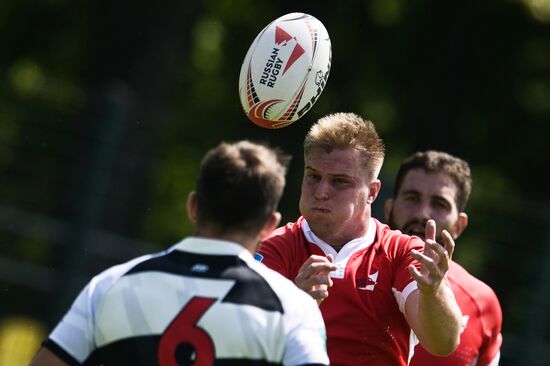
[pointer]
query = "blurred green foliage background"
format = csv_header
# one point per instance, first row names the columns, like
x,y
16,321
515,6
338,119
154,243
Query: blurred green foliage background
x,y
107,107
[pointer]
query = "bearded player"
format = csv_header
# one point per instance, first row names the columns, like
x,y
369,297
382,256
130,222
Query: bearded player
x,y
436,185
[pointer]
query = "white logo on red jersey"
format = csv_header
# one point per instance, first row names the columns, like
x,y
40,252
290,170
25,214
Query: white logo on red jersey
x,y
371,282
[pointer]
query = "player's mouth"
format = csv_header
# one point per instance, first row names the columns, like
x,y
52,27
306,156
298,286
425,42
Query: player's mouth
x,y
320,209
414,229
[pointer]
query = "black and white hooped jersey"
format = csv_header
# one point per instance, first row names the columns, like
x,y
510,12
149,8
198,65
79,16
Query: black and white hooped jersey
x,y
201,302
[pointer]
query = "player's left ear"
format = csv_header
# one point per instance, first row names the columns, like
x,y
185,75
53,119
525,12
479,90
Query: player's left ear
x,y
192,206
374,189
270,225
460,225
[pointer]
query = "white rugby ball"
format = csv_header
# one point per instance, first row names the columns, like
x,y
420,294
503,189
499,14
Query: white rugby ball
x,y
285,70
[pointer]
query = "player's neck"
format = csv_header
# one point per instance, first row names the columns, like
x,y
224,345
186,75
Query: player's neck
x,y
251,244
337,242
337,247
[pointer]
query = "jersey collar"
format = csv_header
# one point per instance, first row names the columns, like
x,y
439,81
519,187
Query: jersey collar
x,y
341,258
352,245
199,245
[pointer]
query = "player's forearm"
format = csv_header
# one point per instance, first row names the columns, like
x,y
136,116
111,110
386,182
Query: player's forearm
x,y
438,321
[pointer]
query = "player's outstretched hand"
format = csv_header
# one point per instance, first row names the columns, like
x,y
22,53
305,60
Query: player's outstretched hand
x,y
313,277
434,262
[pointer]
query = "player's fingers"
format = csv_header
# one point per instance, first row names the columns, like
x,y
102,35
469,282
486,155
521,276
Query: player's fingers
x,y
303,283
314,259
321,279
448,242
324,267
441,256
416,275
430,251
439,252
319,294
425,262
306,283
429,230
316,263
315,271
423,283
315,287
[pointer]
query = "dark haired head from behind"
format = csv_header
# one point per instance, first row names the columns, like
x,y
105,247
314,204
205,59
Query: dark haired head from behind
x,y
239,187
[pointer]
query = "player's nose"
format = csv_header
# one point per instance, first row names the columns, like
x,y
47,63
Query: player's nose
x,y
423,213
322,190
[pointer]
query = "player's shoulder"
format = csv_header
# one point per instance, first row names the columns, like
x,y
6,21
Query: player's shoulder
x,y
289,234
278,282
101,282
478,290
290,228
285,289
474,295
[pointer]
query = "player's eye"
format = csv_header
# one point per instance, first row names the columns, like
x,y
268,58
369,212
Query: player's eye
x,y
441,204
413,198
341,181
311,175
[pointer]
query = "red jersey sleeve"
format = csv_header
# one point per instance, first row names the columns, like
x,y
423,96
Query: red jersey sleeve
x,y
492,327
273,253
398,247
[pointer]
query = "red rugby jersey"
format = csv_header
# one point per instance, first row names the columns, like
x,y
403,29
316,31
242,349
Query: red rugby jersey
x,y
363,312
481,338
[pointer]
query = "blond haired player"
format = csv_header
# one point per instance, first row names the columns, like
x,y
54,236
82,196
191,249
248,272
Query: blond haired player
x,y
382,287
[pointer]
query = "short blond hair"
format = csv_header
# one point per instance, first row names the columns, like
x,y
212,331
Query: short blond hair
x,y
345,130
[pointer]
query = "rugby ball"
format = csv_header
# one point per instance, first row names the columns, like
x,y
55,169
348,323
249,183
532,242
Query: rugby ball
x,y
285,70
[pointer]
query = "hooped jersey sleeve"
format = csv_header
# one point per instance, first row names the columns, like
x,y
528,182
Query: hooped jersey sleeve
x,y
73,338
305,341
